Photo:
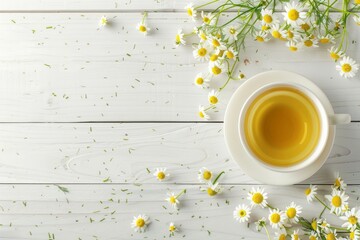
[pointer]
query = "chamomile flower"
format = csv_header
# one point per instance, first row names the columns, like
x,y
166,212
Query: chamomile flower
x,y
260,224
337,201
268,17
230,53
325,39
310,193
357,2
179,38
231,32
143,28
216,43
202,113
280,235
295,235
339,183
292,212
242,213
323,225
357,20
213,189
216,68
213,97
354,234
140,223
276,218
103,21
172,199
335,53
207,19
309,42
293,46
261,36
201,52
330,234
257,197
172,228
277,32
201,80
294,14
161,174
351,217
347,68
293,35
214,57
202,36
205,175
191,11
313,236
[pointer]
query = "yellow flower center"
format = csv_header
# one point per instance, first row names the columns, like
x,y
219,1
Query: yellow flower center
x,y
211,192
324,40
295,237
293,49
142,28
190,12
172,228
352,220
305,26
206,20
357,2
207,175
346,67
308,43
267,18
161,175
352,235
257,198
259,39
215,43
264,27
104,21
216,70
202,52
290,34
307,191
140,222
241,75
293,14
314,225
203,36
334,55
337,183
291,212
330,236
229,54
275,218
336,201
213,99
172,199
242,213
282,237
232,31
214,57
312,238
276,34
177,39
199,81
201,114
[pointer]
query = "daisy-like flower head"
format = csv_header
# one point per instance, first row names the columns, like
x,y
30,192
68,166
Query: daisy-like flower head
x,y
143,28
335,53
276,218
103,21
260,224
201,80
191,11
172,228
313,236
231,32
357,2
213,97
357,19
305,26
268,17
202,36
309,42
277,32
310,193
257,197
173,200
330,234
295,235
352,218
293,46
242,213
213,189
339,183
140,223
354,234
325,39
216,43
294,14
230,53
207,19
201,52
261,36
337,201
293,35
292,212
202,113
280,235
205,175
323,225
314,224
217,68
161,174
348,67
179,38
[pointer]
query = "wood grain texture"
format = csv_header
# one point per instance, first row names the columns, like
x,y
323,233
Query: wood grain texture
x,y
122,153
63,68
106,211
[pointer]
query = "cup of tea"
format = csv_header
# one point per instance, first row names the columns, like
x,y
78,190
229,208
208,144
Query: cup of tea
x,y
284,126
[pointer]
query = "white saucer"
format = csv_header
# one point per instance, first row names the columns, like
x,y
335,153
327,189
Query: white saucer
x,y
232,139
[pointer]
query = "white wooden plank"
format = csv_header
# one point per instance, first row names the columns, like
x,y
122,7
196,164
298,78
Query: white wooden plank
x,y
33,211
69,70
121,153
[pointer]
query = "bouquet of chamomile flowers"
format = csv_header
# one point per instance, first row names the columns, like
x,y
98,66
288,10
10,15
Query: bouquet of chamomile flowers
x,y
304,24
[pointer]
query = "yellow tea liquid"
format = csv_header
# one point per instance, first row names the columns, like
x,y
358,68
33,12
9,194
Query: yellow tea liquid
x,y
282,126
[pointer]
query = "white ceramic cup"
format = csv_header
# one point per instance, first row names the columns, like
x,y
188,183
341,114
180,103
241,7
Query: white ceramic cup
x,y
325,121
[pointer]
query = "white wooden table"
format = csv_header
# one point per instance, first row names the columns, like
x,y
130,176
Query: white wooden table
x,y
91,109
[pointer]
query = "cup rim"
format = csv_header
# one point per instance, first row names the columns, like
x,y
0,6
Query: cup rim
x,y
324,131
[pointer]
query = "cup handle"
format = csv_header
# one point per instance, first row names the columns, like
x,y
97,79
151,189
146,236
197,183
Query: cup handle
x,y
339,119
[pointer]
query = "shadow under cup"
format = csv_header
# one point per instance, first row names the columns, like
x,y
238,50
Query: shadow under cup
x,y
281,126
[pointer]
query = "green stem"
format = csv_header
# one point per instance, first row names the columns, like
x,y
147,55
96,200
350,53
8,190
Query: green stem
x,y
326,206
229,78
181,193
205,4
218,176
269,206
322,212
143,18
267,232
